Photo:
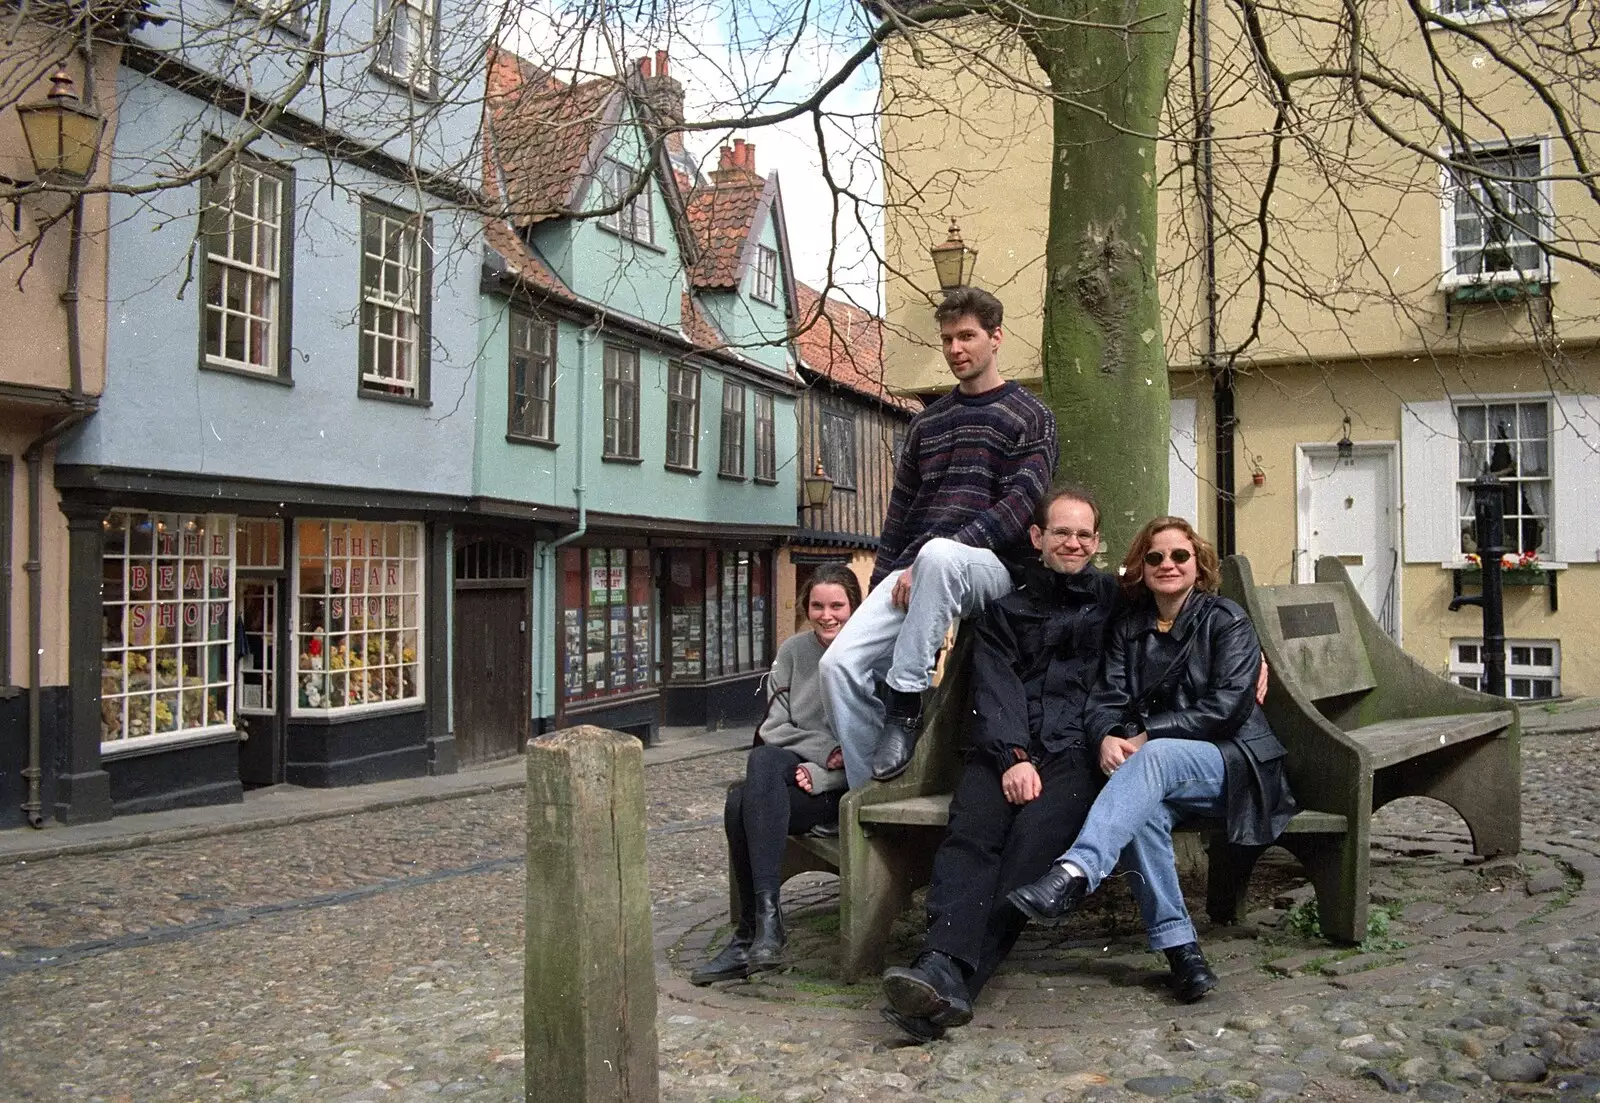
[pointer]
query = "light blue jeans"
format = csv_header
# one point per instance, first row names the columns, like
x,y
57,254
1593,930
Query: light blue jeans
x,y
1160,784
881,641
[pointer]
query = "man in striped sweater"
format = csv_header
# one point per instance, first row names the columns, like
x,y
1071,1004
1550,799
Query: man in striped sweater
x,y
975,464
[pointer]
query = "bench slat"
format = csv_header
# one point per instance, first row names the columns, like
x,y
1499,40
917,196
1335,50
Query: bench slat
x,y
934,811
930,811
1395,741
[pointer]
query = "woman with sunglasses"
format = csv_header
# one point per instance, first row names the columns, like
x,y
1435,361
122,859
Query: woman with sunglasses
x,y
1180,734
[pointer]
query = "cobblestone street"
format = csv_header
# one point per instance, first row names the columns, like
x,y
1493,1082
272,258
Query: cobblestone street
x,y
378,955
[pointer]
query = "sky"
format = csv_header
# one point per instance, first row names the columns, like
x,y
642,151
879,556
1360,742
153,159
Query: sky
x,y
741,59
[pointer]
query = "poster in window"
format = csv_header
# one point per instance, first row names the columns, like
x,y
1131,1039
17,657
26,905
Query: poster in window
x,y
599,590
619,576
597,670
758,629
596,632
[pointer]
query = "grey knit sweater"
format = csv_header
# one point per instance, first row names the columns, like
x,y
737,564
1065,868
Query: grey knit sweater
x,y
795,718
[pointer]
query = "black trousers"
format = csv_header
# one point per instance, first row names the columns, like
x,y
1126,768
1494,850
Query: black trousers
x,y
761,814
992,847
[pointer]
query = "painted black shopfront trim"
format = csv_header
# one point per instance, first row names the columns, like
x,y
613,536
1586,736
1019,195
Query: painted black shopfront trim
x,y
89,785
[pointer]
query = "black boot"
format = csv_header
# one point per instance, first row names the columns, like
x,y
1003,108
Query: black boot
x,y
919,1030
768,939
934,988
1192,977
902,727
731,964
1050,899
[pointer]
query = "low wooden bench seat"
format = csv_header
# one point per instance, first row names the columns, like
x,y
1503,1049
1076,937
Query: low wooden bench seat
x,y
1364,724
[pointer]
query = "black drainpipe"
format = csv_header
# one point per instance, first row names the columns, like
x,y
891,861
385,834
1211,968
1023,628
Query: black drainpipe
x,y
1221,377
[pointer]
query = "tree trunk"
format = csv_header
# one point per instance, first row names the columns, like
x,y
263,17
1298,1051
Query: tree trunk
x,y
1105,366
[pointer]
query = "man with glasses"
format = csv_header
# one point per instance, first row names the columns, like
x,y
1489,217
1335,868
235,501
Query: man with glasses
x,y
974,466
1030,775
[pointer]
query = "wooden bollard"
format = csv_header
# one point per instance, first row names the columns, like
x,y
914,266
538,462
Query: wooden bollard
x,y
589,1007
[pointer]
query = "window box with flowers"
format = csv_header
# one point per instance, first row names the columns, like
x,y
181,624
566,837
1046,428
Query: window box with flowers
x,y
1516,569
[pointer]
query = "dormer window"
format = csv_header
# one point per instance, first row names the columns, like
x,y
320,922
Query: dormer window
x,y
635,218
765,285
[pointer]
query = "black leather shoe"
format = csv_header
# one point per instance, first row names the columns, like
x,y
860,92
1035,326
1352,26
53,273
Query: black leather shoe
x,y
1050,899
918,1030
895,746
768,938
1192,977
933,988
731,964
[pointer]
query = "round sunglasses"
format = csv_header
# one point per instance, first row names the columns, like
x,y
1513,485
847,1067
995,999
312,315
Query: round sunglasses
x,y
1180,556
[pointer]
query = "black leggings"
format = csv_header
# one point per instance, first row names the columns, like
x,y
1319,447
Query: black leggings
x,y
763,812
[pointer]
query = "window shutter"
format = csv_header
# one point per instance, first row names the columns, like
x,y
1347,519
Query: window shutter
x,y
1429,457
1183,480
1576,448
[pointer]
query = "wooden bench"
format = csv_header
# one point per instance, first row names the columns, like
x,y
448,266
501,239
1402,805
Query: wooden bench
x,y
1355,743
1366,724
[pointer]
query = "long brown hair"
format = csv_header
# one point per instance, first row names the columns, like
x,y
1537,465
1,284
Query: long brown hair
x,y
1208,570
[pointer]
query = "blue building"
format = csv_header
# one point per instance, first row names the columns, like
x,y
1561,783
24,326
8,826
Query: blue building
x,y
260,511
635,469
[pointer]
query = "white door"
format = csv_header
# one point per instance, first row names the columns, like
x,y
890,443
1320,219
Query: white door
x,y
1349,509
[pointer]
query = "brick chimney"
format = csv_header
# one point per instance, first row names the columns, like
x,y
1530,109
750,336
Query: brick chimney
x,y
736,164
664,95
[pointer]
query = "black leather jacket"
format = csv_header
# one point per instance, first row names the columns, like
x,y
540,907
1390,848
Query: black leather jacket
x,y
1034,663
1198,681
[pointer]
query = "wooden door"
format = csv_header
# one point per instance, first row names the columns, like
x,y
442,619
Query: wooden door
x,y
491,665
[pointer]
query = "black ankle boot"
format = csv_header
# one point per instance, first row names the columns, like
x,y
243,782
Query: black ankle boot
x,y
902,727
731,964
1050,899
768,938
933,988
1192,977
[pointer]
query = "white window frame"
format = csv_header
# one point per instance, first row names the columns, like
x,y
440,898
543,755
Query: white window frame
x,y
764,278
411,61
1514,516
130,672
264,306
1450,193
1470,674
392,290
635,219
395,597
1492,11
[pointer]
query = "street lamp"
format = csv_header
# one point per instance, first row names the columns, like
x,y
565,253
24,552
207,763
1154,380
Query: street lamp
x,y
63,133
954,260
818,488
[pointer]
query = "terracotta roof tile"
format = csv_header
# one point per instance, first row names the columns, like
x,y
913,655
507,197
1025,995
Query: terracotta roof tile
x,y
720,215
841,341
541,131
698,326
521,260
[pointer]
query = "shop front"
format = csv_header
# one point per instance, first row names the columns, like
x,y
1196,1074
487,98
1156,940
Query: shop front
x,y
238,650
654,635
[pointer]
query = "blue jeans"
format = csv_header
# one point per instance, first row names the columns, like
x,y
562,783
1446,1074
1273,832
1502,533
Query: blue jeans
x,y
883,642
1160,784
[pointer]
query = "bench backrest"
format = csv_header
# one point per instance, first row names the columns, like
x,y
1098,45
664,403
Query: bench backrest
x,y
1316,631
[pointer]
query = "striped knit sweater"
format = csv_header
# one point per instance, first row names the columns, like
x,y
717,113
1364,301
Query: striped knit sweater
x,y
973,468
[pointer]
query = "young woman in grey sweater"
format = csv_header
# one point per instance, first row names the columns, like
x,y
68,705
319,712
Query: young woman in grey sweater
x,y
793,779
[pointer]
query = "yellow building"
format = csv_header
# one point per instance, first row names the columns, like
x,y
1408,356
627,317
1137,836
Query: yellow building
x,y
1412,313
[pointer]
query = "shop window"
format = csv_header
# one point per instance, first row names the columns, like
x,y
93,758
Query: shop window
x,y
719,609
167,638
607,618
358,615
1533,667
